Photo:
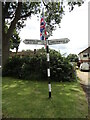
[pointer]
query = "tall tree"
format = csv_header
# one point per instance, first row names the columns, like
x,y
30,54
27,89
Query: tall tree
x,y
15,13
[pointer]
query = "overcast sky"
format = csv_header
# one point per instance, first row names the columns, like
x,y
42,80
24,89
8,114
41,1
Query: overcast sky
x,y
74,26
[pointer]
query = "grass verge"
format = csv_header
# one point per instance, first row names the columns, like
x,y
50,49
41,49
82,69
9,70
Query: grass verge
x,y
29,99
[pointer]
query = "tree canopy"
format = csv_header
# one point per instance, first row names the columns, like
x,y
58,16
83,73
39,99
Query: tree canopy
x,y
15,13
72,58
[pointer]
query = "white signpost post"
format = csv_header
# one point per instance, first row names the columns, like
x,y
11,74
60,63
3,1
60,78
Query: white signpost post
x,y
47,43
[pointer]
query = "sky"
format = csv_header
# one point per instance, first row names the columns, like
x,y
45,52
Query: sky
x,y
74,26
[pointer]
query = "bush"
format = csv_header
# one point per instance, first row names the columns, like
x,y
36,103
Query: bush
x,y
61,69
36,67
13,67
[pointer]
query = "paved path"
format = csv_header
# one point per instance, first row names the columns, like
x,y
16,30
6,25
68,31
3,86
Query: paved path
x,y
84,77
85,83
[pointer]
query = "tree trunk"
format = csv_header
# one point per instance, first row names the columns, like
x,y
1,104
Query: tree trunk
x,y
5,40
6,36
5,50
16,50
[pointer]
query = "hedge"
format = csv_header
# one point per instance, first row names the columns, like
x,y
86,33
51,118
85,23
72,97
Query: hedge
x,y
35,66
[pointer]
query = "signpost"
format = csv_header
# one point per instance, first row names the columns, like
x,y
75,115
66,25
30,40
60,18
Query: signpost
x,y
47,43
44,41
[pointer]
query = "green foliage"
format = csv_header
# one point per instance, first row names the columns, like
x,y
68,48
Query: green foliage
x,y
13,67
6,28
15,40
26,10
72,58
54,11
36,66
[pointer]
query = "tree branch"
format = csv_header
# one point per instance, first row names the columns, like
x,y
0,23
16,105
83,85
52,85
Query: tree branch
x,y
6,8
46,5
27,15
15,20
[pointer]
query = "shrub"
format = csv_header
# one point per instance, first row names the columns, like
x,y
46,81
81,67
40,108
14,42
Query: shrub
x,y
13,67
36,67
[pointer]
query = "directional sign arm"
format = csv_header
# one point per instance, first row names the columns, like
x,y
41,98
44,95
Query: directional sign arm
x,y
58,41
33,41
43,42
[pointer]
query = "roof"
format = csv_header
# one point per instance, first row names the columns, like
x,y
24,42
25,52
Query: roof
x,y
85,50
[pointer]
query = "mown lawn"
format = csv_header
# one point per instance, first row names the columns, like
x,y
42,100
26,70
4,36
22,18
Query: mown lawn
x,y
29,99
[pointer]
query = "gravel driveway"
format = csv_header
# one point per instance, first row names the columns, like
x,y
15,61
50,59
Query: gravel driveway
x,y
85,83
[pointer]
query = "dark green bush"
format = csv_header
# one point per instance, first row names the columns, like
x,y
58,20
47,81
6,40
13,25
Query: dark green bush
x,y
36,67
13,67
